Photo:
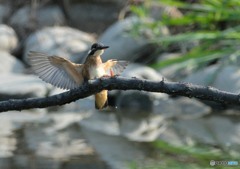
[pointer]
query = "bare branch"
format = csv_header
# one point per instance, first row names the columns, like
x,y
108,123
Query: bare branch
x,y
120,83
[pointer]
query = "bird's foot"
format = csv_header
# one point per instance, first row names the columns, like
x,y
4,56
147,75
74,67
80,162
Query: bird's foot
x,y
105,76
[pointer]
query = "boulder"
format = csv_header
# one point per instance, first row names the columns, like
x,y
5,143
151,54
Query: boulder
x,y
134,70
25,21
91,17
225,78
137,103
81,105
222,131
62,41
117,152
8,38
184,108
4,10
21,86
10,64
123,45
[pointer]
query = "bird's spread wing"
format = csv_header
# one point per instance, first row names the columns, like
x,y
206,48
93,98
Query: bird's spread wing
x,y
55,70
115,67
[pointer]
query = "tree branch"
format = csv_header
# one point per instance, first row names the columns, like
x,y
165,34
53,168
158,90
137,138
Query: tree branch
x,y
120,83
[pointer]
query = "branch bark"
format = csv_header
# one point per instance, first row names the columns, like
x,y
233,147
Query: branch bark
x,y
120,83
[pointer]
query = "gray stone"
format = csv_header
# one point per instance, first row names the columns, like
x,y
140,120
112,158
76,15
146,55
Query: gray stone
x,y
10,64
12,121
91,17
58,137
214,130
4,10
196,129
116,151
142,72
63,41
23,20
139,130
8,38
224,78
124,46
173,72
81,105
107,121
21,86
183,108
143,130
138,104
225,131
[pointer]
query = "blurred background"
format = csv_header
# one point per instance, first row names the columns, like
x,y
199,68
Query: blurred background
x,y
193,41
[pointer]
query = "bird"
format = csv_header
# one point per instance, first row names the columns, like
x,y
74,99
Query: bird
x,y
63,73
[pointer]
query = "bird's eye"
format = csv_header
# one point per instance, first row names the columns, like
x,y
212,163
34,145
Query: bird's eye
x,y
94,46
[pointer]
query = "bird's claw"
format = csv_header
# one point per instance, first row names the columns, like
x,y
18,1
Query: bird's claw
x,y
104,77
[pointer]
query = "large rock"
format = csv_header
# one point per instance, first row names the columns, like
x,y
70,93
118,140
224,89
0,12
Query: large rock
x,y
21,86
141,71
8,38
122,44
140,103
63,41
214,130
10,64
11,122
91,17
184,108
81,105
4,10
23,20
224,78
117,152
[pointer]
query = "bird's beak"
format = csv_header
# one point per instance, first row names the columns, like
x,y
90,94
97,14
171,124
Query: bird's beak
x,y
104,47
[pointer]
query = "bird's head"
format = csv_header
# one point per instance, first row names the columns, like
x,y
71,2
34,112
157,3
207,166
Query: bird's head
x,y
97,49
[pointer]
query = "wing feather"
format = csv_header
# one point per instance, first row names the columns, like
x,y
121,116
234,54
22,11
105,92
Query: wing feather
x,y
115,67
55,70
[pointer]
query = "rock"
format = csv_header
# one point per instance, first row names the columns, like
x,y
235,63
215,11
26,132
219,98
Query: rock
x,y
132,103
183,108
81,105
194,129
13,121
226,131
143,130
24,21
173,72
142,72
225,78
117,152
58,135
138,130
10,64
107,121
21,86
123,45
8,38
63,41
219,131
94,16
4,10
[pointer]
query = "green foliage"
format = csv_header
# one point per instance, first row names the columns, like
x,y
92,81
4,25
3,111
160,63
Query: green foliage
x,y
187,157
212,24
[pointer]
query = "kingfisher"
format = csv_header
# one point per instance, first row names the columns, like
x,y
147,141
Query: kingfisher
x,y
65,74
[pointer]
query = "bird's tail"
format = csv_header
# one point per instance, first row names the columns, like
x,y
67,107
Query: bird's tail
x,y
101,100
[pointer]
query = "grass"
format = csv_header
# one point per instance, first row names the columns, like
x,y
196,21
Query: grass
x,y
184,157
213,24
